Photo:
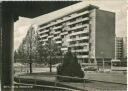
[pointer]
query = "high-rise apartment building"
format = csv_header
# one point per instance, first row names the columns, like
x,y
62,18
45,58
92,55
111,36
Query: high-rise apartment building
x,y
89,32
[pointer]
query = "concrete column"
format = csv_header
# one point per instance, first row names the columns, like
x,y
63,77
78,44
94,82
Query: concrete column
x,y
0,45
7,50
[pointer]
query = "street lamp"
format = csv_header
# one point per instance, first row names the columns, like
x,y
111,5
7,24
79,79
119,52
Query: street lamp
x,y
102,53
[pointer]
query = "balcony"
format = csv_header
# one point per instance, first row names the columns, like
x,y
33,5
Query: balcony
x,y
58,42
45,40
80,26
43,35
79,44
50,36
64,33
57,32
44,31
78,38
77,21
82,56
57,27
57,37
77,15
80,32
64,49
80,50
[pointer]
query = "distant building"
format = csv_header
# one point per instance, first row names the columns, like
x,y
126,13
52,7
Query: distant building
x,y
121,47
89,32
125,47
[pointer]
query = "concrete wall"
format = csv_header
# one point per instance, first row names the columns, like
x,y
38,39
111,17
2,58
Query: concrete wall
x,y
92,30
105,33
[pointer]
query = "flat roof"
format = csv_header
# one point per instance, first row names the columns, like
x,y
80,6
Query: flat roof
x,y
61,13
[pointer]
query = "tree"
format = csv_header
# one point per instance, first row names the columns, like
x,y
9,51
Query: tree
x,y
48,52
31,45
26,51
69,67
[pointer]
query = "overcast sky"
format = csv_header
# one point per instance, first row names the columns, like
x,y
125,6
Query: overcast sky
x,y
117,6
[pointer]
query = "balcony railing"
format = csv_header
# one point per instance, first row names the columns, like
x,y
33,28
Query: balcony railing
x,y
80,50
79,38
50,36
57,32
58,42
57,27
63,49
43,35
80,32
82,56
79,44
57,37
64,33
77,21
43,31
45,40
80,26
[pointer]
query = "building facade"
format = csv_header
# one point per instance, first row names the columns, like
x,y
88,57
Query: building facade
x,y
89,32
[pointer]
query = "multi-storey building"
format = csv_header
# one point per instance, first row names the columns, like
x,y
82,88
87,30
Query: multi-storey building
x,y
125,47
89,32
121,47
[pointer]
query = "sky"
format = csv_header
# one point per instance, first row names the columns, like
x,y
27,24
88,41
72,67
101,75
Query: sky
x,y
117,6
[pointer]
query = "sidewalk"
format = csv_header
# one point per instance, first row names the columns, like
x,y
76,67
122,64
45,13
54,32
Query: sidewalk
x,y
93,85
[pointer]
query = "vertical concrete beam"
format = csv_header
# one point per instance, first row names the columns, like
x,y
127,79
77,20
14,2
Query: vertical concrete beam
x,y
0,45
7,50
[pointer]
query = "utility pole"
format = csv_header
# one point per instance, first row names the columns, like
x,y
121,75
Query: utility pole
x,y
102,53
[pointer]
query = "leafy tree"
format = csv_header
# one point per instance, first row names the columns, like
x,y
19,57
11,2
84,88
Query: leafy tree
x,y
48,52
27,50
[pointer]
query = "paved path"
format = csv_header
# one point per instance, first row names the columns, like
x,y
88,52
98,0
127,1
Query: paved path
x,y
91,86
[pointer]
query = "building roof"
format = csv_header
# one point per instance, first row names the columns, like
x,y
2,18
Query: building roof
x,y
44,19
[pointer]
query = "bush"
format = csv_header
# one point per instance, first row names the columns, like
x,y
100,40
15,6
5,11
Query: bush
x,y
69,67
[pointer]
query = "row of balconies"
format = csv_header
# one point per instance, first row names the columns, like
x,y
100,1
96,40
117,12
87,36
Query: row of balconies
x,y
77,15
74,28
74,33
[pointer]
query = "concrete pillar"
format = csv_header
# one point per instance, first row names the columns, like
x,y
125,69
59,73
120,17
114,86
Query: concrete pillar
x,y
7,50
0,45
